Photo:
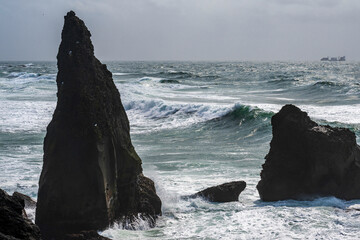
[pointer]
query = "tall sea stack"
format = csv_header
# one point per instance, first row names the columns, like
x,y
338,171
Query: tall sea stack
x,y
91,175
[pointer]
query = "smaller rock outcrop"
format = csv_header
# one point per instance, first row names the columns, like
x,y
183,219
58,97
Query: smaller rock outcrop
x,y
28,201
227,192
13,225
307,159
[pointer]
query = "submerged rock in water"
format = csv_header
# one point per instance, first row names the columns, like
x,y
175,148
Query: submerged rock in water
x,y
91,175
309,159
169,81
227,192
13,224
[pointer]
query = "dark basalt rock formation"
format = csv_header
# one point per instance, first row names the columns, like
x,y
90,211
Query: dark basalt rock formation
x,y
307,159
28,201
13,224
227,192
91,175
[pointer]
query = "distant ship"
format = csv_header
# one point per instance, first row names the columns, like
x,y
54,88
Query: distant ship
x,y
334,59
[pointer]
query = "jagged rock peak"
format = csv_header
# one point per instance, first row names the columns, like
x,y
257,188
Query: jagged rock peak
x,y
75,41
92,175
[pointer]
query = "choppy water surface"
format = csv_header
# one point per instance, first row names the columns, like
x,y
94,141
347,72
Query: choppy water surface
x,y
196,125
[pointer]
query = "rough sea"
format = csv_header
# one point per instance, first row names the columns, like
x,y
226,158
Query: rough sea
x,y
195,125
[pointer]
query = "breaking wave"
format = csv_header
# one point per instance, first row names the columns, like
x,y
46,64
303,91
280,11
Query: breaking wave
x,y
162,115
30,77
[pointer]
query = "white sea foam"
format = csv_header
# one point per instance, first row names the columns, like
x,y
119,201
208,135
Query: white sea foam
x,y
25,116
23,75
117,230
15,79
348,114
28,64
30,213
120,74
155,79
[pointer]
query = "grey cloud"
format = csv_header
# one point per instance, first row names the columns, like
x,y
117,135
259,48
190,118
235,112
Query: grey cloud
x,y
187,30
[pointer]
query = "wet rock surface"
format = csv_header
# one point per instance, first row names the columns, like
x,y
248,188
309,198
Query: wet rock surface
x,y
307,159
227,192
85,235
91,174
13,224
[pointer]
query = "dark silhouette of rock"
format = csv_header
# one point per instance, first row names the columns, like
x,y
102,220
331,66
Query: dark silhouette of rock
x,y
85,235
227,192
13,225
28,201
169,81
91,175
307,159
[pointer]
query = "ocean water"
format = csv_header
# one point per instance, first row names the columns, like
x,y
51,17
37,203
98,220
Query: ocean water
x,y
195,125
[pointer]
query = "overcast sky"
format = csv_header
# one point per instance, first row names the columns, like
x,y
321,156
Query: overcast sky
x,y
186,29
